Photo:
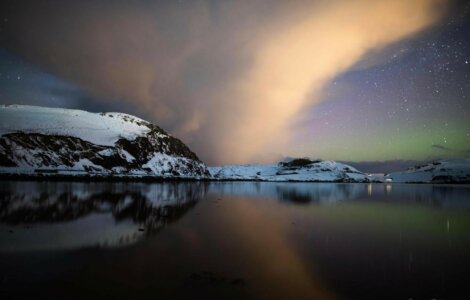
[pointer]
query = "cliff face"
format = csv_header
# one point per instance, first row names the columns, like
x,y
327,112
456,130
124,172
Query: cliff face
x,y
48,141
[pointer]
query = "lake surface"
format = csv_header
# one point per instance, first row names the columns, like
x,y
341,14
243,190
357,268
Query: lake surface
x,y
234,240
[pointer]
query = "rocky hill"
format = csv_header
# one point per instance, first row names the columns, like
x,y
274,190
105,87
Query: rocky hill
x,y
441,171
40,141
295,170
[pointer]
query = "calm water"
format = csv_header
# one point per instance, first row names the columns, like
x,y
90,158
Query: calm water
x,y
234,240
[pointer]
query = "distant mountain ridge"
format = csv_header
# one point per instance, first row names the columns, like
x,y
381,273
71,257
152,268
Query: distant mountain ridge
x,y
53,141
440,171
46,142
294,170
306,170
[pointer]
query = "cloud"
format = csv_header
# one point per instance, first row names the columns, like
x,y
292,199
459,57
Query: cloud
x,y
441,147
227,77
445,148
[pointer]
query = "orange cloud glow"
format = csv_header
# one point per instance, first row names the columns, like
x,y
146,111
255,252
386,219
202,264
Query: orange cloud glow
x,y
293,62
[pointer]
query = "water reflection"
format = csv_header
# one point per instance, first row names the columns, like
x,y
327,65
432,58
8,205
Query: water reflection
x,y
243,240
55,215
450,196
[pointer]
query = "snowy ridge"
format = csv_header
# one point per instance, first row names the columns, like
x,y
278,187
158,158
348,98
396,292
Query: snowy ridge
x,y
67,142
98,128
442,171
304,170
296,170
40,141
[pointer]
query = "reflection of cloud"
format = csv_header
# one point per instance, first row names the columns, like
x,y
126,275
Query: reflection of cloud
x,y
256,246
280,269
228,77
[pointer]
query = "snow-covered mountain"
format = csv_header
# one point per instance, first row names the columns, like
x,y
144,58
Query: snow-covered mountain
x,y
295,170
40,141
54,141
442,171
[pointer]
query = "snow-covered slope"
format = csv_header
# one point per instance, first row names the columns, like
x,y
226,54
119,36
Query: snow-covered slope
x,y
296,170
443,171
50,141
102,129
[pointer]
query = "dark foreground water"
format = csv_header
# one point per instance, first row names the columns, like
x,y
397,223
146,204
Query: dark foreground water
x,y
234,241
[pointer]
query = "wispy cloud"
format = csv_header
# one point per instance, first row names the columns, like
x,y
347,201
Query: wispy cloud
x,y
449,149
441,147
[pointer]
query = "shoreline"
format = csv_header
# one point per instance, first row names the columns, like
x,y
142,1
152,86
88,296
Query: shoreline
x,y
161,179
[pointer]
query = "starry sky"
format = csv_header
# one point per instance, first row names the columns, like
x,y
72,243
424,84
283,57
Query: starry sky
x,y
379,84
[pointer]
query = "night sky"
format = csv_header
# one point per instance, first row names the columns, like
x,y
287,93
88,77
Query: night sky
x,y
255,81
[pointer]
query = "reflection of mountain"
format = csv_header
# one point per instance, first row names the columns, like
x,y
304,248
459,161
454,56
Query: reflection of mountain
x,y
70,215
298,192
321,193
329,193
